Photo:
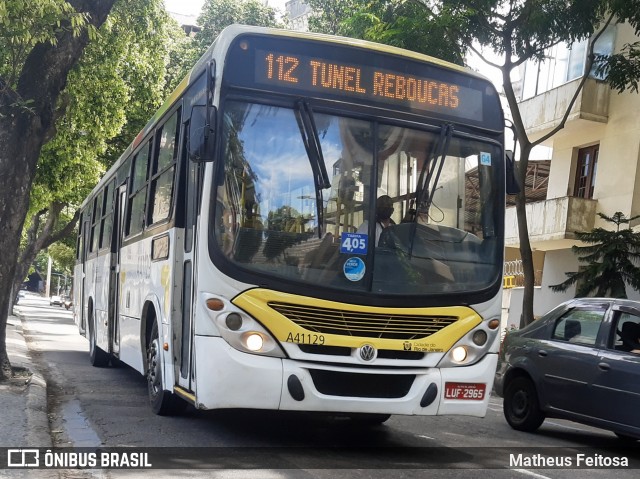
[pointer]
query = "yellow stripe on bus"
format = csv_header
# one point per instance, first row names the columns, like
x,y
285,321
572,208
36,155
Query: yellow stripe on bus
x,y
322,316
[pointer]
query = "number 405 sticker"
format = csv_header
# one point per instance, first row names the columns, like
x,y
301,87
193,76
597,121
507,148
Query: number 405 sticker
x,y
354,243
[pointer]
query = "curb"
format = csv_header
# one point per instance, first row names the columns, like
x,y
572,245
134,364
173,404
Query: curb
x,y
38,432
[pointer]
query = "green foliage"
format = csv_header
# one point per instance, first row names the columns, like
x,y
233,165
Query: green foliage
x,y
109,96
218,14
25,23
622,70
181,57
525,28
401,23
611,260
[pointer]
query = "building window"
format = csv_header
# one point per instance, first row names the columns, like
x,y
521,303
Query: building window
x,y
564,63
586,171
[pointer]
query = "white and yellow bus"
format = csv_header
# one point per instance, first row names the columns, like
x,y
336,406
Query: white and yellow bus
x,y
235,256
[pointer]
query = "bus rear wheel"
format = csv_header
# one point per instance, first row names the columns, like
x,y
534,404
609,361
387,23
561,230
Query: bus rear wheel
x,y
163,402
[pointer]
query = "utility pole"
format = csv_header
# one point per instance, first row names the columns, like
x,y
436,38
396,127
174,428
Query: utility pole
x,y
48,288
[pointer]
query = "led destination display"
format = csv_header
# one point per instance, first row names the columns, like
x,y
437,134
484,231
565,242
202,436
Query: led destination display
x,y
349,73
357,80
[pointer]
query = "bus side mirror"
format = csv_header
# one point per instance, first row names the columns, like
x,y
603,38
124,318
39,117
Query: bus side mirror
x,y
512,186
201,133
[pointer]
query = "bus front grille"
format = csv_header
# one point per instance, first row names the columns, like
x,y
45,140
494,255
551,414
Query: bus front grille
x,y
345,351
368,325
344,384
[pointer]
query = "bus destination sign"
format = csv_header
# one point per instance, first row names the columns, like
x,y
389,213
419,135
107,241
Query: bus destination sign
x,y
335,78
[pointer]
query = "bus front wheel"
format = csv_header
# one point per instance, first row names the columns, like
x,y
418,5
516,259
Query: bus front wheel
x,y
163,402
98,357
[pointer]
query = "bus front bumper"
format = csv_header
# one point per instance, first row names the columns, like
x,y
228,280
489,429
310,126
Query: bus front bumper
x,y
228,378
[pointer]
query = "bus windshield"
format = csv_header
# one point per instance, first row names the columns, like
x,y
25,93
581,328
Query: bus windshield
x,y
392,210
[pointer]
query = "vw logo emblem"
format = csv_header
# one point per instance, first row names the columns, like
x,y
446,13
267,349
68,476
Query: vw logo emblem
x,y
368,352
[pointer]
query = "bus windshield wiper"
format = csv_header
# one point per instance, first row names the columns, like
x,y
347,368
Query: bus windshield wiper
x,y
311,140
432,166
427,182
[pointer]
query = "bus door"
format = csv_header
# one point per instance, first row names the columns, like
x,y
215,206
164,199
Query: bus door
x,y
80,298
185,373
114,274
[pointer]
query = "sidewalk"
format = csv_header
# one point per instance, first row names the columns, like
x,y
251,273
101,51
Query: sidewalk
x,y
23,400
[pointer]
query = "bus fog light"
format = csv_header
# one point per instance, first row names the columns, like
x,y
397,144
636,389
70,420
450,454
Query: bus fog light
x,y
479,338
254,342
459,354
233,321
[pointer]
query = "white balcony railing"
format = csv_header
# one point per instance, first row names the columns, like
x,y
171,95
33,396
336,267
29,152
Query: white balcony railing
x,y
544,112
552,223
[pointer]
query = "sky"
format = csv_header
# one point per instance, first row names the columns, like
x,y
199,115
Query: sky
x,y
193,7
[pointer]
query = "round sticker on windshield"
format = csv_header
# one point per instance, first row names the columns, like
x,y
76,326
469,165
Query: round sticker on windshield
x,y
354,269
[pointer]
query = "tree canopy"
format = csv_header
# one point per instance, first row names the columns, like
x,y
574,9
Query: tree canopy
x,y
519,31
400,23
125,66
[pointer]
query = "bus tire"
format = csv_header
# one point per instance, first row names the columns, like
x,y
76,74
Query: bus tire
x,y
521,408
97,356
363,419
163,402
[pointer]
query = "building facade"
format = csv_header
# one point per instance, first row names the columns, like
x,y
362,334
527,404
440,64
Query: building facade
x,y
594,163
298,13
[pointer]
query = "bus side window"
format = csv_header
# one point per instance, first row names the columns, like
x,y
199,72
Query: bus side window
x,y
79,242
107,217
163,172
95,222
138,190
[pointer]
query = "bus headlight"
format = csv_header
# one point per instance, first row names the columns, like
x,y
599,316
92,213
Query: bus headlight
x,y
240,330
459,354
472,347
253,341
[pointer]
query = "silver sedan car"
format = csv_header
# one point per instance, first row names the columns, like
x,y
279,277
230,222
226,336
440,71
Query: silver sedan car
x,y
580,361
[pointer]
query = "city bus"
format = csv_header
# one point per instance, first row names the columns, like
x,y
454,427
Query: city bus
x,y
309,223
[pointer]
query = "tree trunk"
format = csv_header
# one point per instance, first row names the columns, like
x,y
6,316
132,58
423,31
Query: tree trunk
x,y
523,233
41,240
27,116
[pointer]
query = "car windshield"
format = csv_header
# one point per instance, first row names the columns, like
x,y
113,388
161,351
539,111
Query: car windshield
x,y
357,205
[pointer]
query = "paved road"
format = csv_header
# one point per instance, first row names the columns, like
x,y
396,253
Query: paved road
x,y
105,407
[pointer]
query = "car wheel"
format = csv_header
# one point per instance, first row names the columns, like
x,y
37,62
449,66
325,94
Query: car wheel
x,y
163,402
521,408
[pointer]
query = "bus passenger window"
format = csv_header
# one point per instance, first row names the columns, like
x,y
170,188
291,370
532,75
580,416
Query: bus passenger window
x,y
161,192
107,217
135,218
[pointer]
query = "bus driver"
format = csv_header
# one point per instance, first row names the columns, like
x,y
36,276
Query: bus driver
x,y
384,210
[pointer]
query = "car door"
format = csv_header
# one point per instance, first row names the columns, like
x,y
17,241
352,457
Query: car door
x,y
616,387
568,359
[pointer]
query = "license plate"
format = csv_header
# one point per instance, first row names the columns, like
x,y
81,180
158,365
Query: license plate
x,y
464,391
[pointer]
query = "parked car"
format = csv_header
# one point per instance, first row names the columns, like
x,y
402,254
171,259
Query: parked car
x,y
55,300
580,361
